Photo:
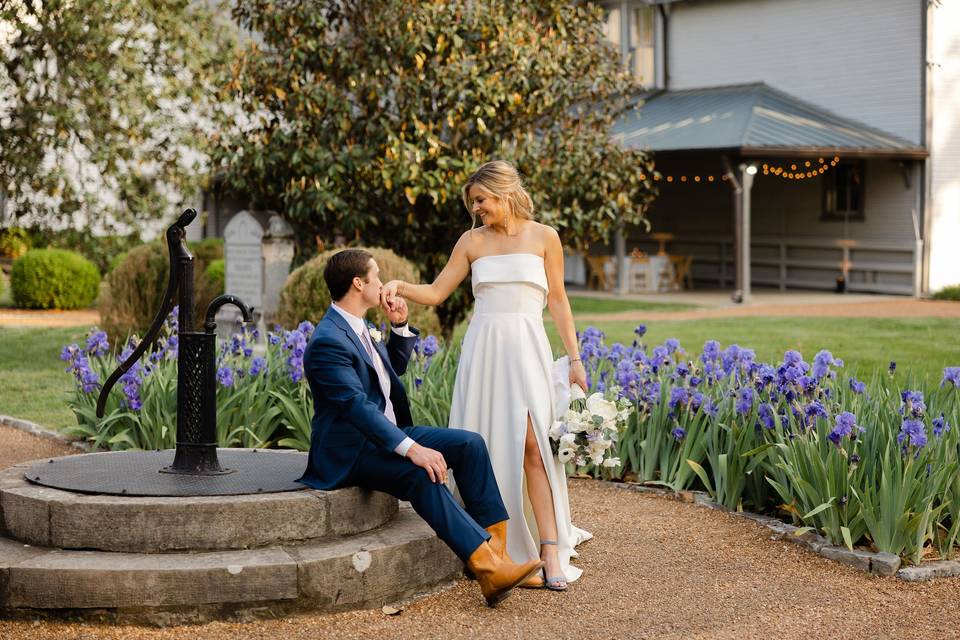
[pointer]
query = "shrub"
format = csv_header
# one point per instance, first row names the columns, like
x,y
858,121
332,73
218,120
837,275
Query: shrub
x,y
948,293
53,279
101,250
14,242
212,282
132,292
305,296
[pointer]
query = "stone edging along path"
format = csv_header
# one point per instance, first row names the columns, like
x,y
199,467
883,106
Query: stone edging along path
x,y
42,432
882,563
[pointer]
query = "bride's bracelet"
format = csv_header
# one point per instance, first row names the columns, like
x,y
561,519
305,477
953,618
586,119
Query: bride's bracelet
x,y
572,360
400,288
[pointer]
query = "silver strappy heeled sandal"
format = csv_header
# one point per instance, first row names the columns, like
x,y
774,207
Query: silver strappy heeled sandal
x,y
554,583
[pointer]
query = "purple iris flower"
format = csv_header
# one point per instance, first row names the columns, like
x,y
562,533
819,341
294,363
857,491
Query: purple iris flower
x,y
225,376
912,433
97,343
744,400
813,411
678,397
306,328
913,403
257,366
940,425
951,375
679,434
857,387
766,415
710,409
822,363
846,422
711,351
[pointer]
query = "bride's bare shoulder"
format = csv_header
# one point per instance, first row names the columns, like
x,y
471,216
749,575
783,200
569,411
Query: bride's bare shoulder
x,y
544,231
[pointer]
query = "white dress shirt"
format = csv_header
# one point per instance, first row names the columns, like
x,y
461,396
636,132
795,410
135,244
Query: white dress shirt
x,y
359,325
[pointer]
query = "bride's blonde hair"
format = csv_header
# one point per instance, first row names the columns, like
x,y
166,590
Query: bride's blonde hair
x,y
500,178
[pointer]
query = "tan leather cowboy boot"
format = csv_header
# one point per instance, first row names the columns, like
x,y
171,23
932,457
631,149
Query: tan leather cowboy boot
x,y
498,542
498,577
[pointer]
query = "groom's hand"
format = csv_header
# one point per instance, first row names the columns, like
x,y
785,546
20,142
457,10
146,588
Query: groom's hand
x,y
397,312
430,460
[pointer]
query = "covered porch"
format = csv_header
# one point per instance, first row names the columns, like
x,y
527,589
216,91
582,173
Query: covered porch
x,y
759,188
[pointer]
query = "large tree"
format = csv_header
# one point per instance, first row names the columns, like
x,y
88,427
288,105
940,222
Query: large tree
x,y
365,117
103,105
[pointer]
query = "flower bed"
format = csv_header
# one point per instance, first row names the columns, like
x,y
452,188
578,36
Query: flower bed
x,y
863,463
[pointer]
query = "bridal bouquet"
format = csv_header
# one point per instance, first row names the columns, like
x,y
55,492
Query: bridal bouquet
x,y
589,426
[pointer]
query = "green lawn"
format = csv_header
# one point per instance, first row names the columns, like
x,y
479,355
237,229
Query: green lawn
x,y
33,384
587,304
922,345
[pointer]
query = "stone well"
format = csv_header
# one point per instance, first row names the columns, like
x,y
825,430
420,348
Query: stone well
x,y
180,559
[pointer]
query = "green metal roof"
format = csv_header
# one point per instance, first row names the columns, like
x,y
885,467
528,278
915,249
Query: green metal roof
x,y
752,119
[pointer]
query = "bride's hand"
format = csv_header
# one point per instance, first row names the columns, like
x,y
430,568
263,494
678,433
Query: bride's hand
x,y
578,375
390,293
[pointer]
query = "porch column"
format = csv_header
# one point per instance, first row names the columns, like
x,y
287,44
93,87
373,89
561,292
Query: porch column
x,y
747,171
742,182
620,250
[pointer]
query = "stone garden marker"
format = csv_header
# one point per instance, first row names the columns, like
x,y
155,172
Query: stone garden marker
x,y
258,250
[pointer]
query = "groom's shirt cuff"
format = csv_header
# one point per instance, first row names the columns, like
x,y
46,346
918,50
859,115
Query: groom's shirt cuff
x,y
403,332
404,446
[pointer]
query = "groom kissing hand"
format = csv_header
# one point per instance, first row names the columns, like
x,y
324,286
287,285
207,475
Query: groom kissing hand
x,y
428,459
363,433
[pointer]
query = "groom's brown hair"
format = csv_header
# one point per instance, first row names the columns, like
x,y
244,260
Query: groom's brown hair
x,y
342,268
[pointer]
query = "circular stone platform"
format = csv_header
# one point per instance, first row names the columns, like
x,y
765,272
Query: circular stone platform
x,y
50,517
169,560
137,473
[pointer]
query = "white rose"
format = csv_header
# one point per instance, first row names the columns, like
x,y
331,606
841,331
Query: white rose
x,y
599,406
376,335
576,393
568,440
611,462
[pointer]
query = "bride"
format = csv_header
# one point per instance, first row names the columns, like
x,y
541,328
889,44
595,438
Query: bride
x,y
504,385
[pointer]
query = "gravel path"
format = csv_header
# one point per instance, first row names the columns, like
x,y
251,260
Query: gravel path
x,y
656,569
34,318
905,308
20,446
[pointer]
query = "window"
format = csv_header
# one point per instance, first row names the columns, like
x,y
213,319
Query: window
x,y
641,43
631,27
611,27
843,192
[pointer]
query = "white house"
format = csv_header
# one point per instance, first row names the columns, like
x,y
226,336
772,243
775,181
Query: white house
x,y
824,134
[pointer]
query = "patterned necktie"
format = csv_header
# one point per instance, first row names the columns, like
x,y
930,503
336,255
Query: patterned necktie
x,y
382,376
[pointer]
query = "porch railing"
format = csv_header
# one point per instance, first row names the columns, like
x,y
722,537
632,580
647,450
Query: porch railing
x,y
804,263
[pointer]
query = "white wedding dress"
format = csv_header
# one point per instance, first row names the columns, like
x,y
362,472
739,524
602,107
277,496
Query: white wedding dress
x,y
506,371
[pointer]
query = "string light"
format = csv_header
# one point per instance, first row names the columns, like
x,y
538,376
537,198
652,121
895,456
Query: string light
x,y
796,171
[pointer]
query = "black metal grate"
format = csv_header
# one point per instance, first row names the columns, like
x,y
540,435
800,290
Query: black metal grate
x,y
136,473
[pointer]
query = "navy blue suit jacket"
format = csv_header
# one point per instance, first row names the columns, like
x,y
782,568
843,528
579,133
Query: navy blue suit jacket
x,y
348,401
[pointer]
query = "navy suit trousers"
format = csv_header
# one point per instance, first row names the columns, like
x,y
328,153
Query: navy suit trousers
x,y
461,528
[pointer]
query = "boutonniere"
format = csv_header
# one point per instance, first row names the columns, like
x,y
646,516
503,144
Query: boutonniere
x,y
375,334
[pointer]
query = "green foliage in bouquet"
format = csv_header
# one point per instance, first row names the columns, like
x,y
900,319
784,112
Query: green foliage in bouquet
x,y
53,279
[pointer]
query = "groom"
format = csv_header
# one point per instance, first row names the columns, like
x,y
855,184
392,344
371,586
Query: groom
x,y
362,433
